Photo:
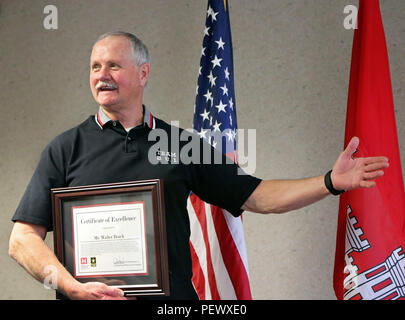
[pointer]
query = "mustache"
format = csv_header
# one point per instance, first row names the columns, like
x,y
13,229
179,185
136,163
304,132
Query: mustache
x,y
105,84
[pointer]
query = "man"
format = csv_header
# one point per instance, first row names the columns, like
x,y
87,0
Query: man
x,y
113,145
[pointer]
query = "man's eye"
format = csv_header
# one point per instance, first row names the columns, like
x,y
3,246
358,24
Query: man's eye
x,y
95,67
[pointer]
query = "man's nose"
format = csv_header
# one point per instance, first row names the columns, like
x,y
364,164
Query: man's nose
x,y
103,73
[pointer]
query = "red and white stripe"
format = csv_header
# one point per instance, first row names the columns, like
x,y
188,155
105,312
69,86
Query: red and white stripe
x,y
220,268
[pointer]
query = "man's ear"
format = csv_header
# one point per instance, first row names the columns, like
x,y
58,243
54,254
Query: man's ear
x,y
144,71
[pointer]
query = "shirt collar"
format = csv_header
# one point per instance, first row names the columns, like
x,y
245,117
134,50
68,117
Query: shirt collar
x,y
148,119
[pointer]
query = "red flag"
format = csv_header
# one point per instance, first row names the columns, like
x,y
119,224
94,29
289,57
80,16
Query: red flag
x,y
370,256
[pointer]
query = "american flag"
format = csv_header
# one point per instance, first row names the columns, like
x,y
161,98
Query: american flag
x,y
220,268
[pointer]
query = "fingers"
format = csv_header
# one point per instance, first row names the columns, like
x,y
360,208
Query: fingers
x,y
351,172
373,169
110,292
351,147
372,163
377,160
367,184
113,292
376,166
98,290
96,295
373,175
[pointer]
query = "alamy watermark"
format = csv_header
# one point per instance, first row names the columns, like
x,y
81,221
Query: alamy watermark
x,y
194,151
350,21
51,19
51,278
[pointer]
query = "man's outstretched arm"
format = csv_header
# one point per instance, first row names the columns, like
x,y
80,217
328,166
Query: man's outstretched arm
x,y
279,196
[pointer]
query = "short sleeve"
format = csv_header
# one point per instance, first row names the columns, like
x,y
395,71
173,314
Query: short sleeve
x,y
222,183
35,206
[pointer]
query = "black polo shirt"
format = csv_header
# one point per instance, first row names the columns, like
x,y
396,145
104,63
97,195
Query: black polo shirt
x,y
100,150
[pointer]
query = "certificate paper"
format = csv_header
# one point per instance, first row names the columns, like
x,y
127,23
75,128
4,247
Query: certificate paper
x,y
109,239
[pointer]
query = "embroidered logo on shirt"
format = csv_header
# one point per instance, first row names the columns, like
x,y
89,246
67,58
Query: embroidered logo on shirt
x,y
166,156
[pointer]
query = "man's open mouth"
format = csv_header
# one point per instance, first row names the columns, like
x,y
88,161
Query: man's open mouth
x,y
106,86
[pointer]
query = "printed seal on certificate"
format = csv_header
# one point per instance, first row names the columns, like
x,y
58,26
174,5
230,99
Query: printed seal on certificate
x,y
115,234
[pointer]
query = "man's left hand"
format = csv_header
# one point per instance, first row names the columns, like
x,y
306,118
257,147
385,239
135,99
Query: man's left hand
x,y
351,173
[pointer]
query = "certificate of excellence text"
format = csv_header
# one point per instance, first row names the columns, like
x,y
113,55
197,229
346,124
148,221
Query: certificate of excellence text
x,y
109,240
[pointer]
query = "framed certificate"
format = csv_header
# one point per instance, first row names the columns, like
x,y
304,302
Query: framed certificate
x,y
115,234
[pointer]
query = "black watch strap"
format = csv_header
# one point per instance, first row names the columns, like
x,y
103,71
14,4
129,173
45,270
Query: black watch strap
x,y
329,185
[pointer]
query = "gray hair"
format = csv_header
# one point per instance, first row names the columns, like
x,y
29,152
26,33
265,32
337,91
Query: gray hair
x,y
139,49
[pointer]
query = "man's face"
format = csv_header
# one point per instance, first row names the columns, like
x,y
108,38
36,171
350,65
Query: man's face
x,y
115,80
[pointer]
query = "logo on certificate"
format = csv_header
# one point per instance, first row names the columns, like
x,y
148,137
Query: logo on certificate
x,y
83,260
93,261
